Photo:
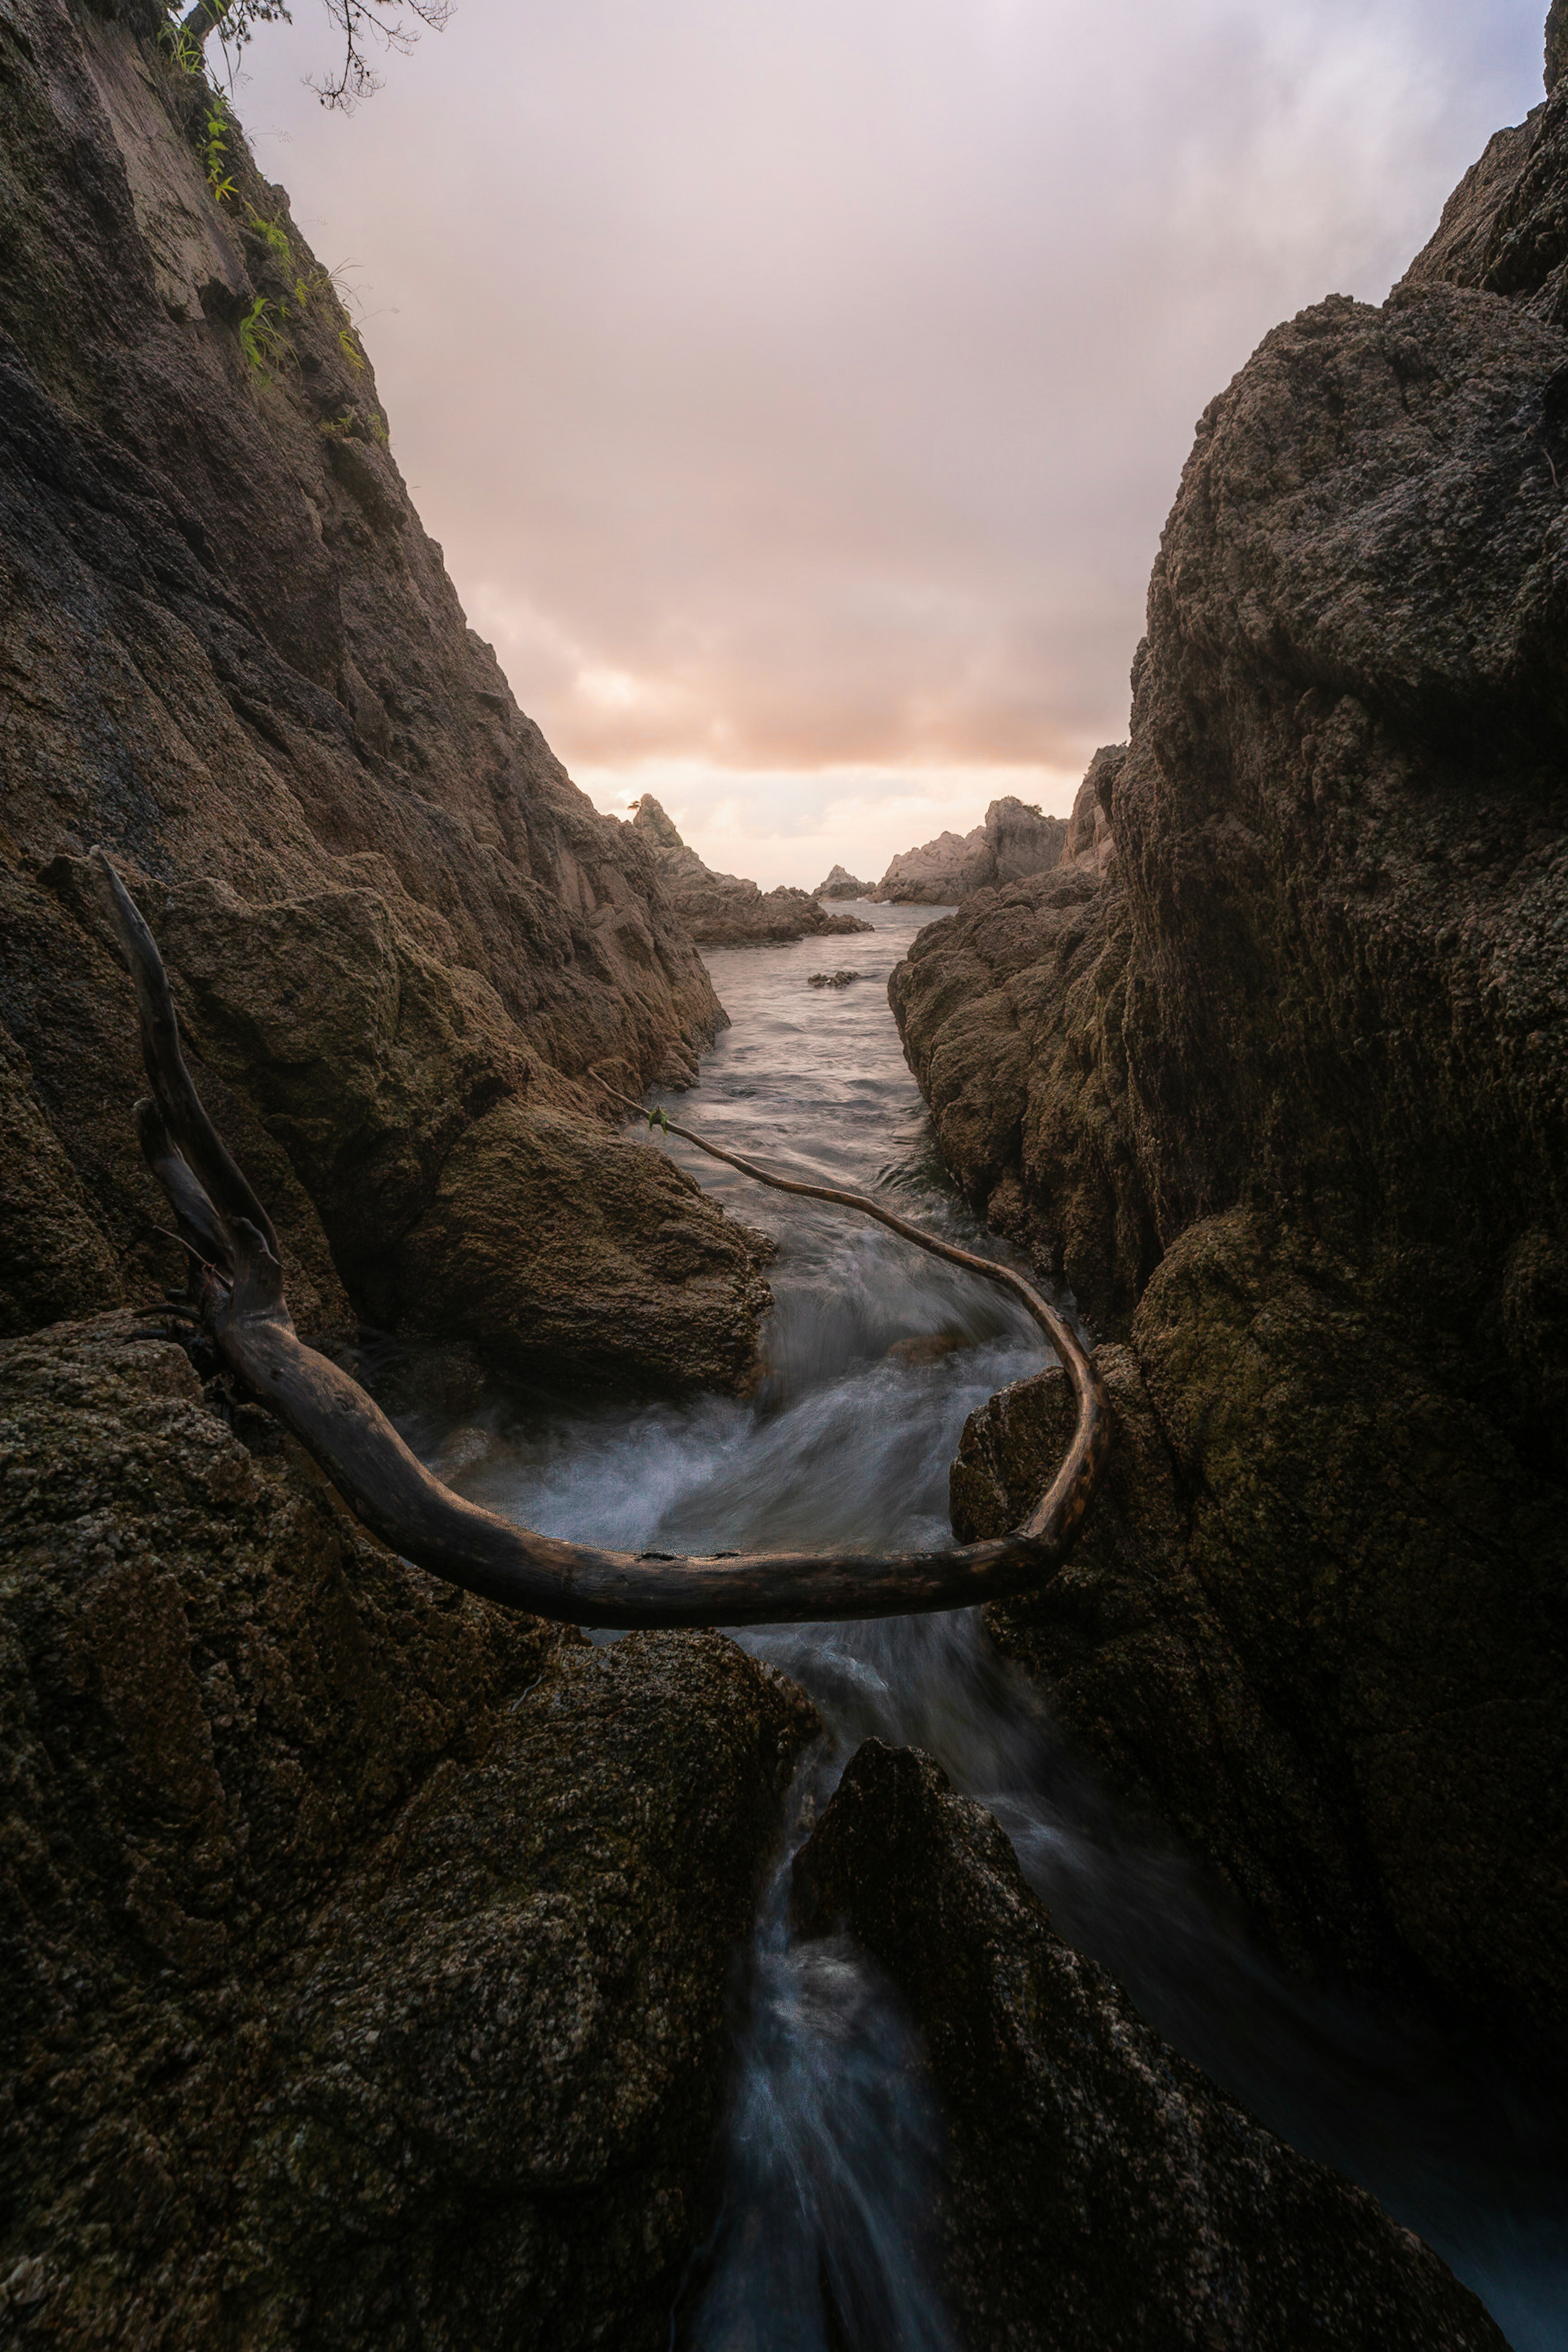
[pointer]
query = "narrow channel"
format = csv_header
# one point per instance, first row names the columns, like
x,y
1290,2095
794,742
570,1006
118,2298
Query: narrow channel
x,y
875,1355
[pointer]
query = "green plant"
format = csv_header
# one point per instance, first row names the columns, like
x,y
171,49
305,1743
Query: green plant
x,y
186,57
277,242
657,1118
185,52
215,153
348,344
351,425
262,339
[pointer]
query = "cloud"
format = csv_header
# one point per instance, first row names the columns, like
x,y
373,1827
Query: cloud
x,y
799,392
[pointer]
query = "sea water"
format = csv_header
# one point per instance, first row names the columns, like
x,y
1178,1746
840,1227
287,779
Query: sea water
x,y
832,2144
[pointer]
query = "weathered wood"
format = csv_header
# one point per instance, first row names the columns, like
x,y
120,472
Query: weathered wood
x,y
195,1138
243,1308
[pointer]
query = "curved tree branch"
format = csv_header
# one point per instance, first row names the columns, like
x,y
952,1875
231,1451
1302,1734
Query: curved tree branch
x,y
386,1488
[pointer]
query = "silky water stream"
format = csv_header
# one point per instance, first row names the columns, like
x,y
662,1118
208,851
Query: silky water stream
x,y
876,1352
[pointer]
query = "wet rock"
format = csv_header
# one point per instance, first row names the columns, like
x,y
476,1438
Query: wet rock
x,y
927,1347
831,979
841,884
237,661
722,910
1015,840
1101,2191
1283,1628
365,1946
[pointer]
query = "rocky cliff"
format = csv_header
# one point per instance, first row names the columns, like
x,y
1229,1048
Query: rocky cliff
x,y
724,910
1275,1078
1014,840
400,940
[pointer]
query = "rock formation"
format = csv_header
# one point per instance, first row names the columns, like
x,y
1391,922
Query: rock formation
x,y
366,1949
1276,1076
1014,840
400,937
1100,2192
365,1946
721,910
841,884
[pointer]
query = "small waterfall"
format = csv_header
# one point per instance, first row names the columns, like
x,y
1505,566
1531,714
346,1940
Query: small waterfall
x,y
830,2157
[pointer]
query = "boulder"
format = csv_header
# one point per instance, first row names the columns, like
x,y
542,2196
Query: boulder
x,y
721,910
1282,1627
1101,2192
366,1947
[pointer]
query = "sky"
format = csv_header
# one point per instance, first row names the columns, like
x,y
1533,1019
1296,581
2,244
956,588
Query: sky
x,y
798,392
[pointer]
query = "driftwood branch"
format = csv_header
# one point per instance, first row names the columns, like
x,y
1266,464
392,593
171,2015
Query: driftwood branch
x,y
238,1268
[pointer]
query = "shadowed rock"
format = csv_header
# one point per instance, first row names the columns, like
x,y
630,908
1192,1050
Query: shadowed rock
x,y
366,1947
1101,2192
237,656
1294,1033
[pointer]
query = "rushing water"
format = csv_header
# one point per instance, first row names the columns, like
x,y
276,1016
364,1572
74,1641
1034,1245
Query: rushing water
x,y
875,1354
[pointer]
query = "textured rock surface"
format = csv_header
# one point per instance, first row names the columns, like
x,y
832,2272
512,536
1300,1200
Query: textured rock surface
x,y
365,1948
1284,1626
722,910
1012,1016
1297,1035
841,884
229,652
1015,840
1102,2193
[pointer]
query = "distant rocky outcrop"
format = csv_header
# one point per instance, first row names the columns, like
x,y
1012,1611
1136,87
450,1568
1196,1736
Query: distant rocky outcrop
x,y
1099,2191
841,884
1014,840
1273,1070
400,940
721,910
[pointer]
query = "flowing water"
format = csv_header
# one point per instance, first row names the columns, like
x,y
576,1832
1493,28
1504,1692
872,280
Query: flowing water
x,y
875,1354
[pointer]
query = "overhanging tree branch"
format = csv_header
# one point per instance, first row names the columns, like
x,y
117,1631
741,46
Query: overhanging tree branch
x,y
242,1305
365,24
